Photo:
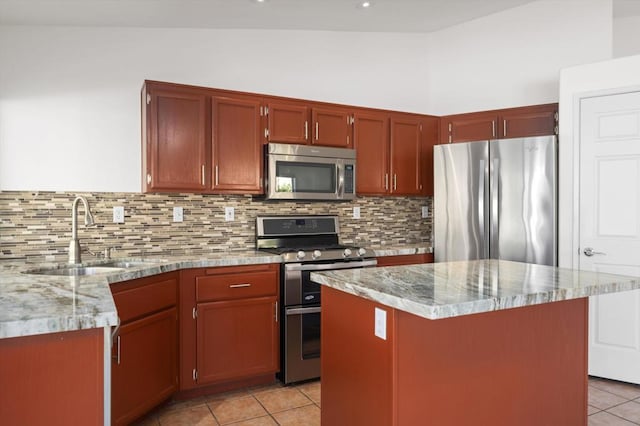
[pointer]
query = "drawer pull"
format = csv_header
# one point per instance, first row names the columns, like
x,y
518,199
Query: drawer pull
x,y
239,285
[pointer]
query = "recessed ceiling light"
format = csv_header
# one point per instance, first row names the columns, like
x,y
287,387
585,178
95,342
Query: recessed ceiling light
x,y
365,4
260,1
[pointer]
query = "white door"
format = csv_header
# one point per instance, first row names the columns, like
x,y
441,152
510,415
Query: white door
x,y
610,227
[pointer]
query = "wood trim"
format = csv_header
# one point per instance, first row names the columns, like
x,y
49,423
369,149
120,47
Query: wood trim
x,y
405,259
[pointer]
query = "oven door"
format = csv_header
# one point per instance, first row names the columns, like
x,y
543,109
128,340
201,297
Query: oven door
x,y
295,177
302,343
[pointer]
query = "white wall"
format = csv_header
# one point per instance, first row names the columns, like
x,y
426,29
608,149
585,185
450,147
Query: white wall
x,y
69,97
626,36
514,57
576,82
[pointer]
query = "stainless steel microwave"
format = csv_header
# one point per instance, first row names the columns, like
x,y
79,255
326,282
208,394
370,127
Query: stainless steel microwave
x,y
303,172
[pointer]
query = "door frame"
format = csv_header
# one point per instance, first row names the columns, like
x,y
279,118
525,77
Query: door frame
x,y
569,177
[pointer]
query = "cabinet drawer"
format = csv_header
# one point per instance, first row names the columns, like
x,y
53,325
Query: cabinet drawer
x,y
236,286
139,301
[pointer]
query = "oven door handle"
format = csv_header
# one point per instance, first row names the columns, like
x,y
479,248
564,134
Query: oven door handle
x,y
330,266
301,311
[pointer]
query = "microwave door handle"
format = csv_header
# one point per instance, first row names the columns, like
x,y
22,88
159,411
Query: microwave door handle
x,y
340,173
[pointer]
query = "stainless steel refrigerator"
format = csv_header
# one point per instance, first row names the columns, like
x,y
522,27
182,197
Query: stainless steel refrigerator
x,y
496,200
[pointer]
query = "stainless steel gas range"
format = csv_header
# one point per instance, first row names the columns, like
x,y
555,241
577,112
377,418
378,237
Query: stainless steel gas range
x,y
306,244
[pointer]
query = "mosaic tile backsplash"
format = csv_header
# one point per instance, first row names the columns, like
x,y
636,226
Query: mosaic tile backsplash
x,y
38,224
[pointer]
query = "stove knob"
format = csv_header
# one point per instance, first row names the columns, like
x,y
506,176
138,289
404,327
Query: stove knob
x,y
301,254
316,254
346,253
361,251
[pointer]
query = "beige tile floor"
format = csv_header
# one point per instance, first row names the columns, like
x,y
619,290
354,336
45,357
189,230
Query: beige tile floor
x,y
611,403
297,405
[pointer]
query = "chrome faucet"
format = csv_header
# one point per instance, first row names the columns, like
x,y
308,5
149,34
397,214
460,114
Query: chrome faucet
x,y
74,244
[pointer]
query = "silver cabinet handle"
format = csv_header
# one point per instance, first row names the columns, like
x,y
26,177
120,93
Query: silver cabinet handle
x,y
386,181
317,129
504,127
203,183
216,175
588,251
493,128
306,130
395,181
240,285
276,311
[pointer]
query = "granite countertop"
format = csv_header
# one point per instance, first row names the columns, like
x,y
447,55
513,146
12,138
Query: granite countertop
x,y
39,304
449,289
399,250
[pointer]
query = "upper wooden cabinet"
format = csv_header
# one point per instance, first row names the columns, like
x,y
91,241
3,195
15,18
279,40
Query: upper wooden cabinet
x,y
394,153
331,127
535,120
371,141
237,146
175,136
287,123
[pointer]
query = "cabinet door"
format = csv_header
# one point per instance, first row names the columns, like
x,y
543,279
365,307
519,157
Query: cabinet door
x,y
371,141
288,123
430,130
176,140
470,127
538,120
237,339
331,127
406,148
144,368
237,150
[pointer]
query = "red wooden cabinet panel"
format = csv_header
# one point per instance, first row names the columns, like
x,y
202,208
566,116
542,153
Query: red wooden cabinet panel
x,y
371,141
237,146
288,123
430,132
144,369
175,138
406,151
237,339
538,120
469,127
331,127
406,259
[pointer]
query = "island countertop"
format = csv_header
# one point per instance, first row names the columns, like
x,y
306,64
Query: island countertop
x,y
450,289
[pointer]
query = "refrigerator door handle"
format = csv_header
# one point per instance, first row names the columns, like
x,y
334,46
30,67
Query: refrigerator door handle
x,y
495,215
481,188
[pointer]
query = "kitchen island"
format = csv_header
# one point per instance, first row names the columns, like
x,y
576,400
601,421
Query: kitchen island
x,y
458,343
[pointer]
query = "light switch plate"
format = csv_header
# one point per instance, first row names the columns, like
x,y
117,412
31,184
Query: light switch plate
x,y
356,212
425,212
178,214
380,323
118,214
229,214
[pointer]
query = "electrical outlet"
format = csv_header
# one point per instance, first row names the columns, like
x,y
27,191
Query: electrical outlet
x,y
118,214
356,212
425,211
229,213
380,323
178,214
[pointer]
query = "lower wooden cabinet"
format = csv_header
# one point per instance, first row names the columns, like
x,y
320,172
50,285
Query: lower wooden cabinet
x,y
405,259
229,325
144,353
237,339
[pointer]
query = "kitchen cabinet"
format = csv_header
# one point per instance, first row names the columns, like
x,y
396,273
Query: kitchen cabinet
x,y
405,259
236,145
331,127
535,120
371,141
287,123
406,150
229,324
174,138
144,354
